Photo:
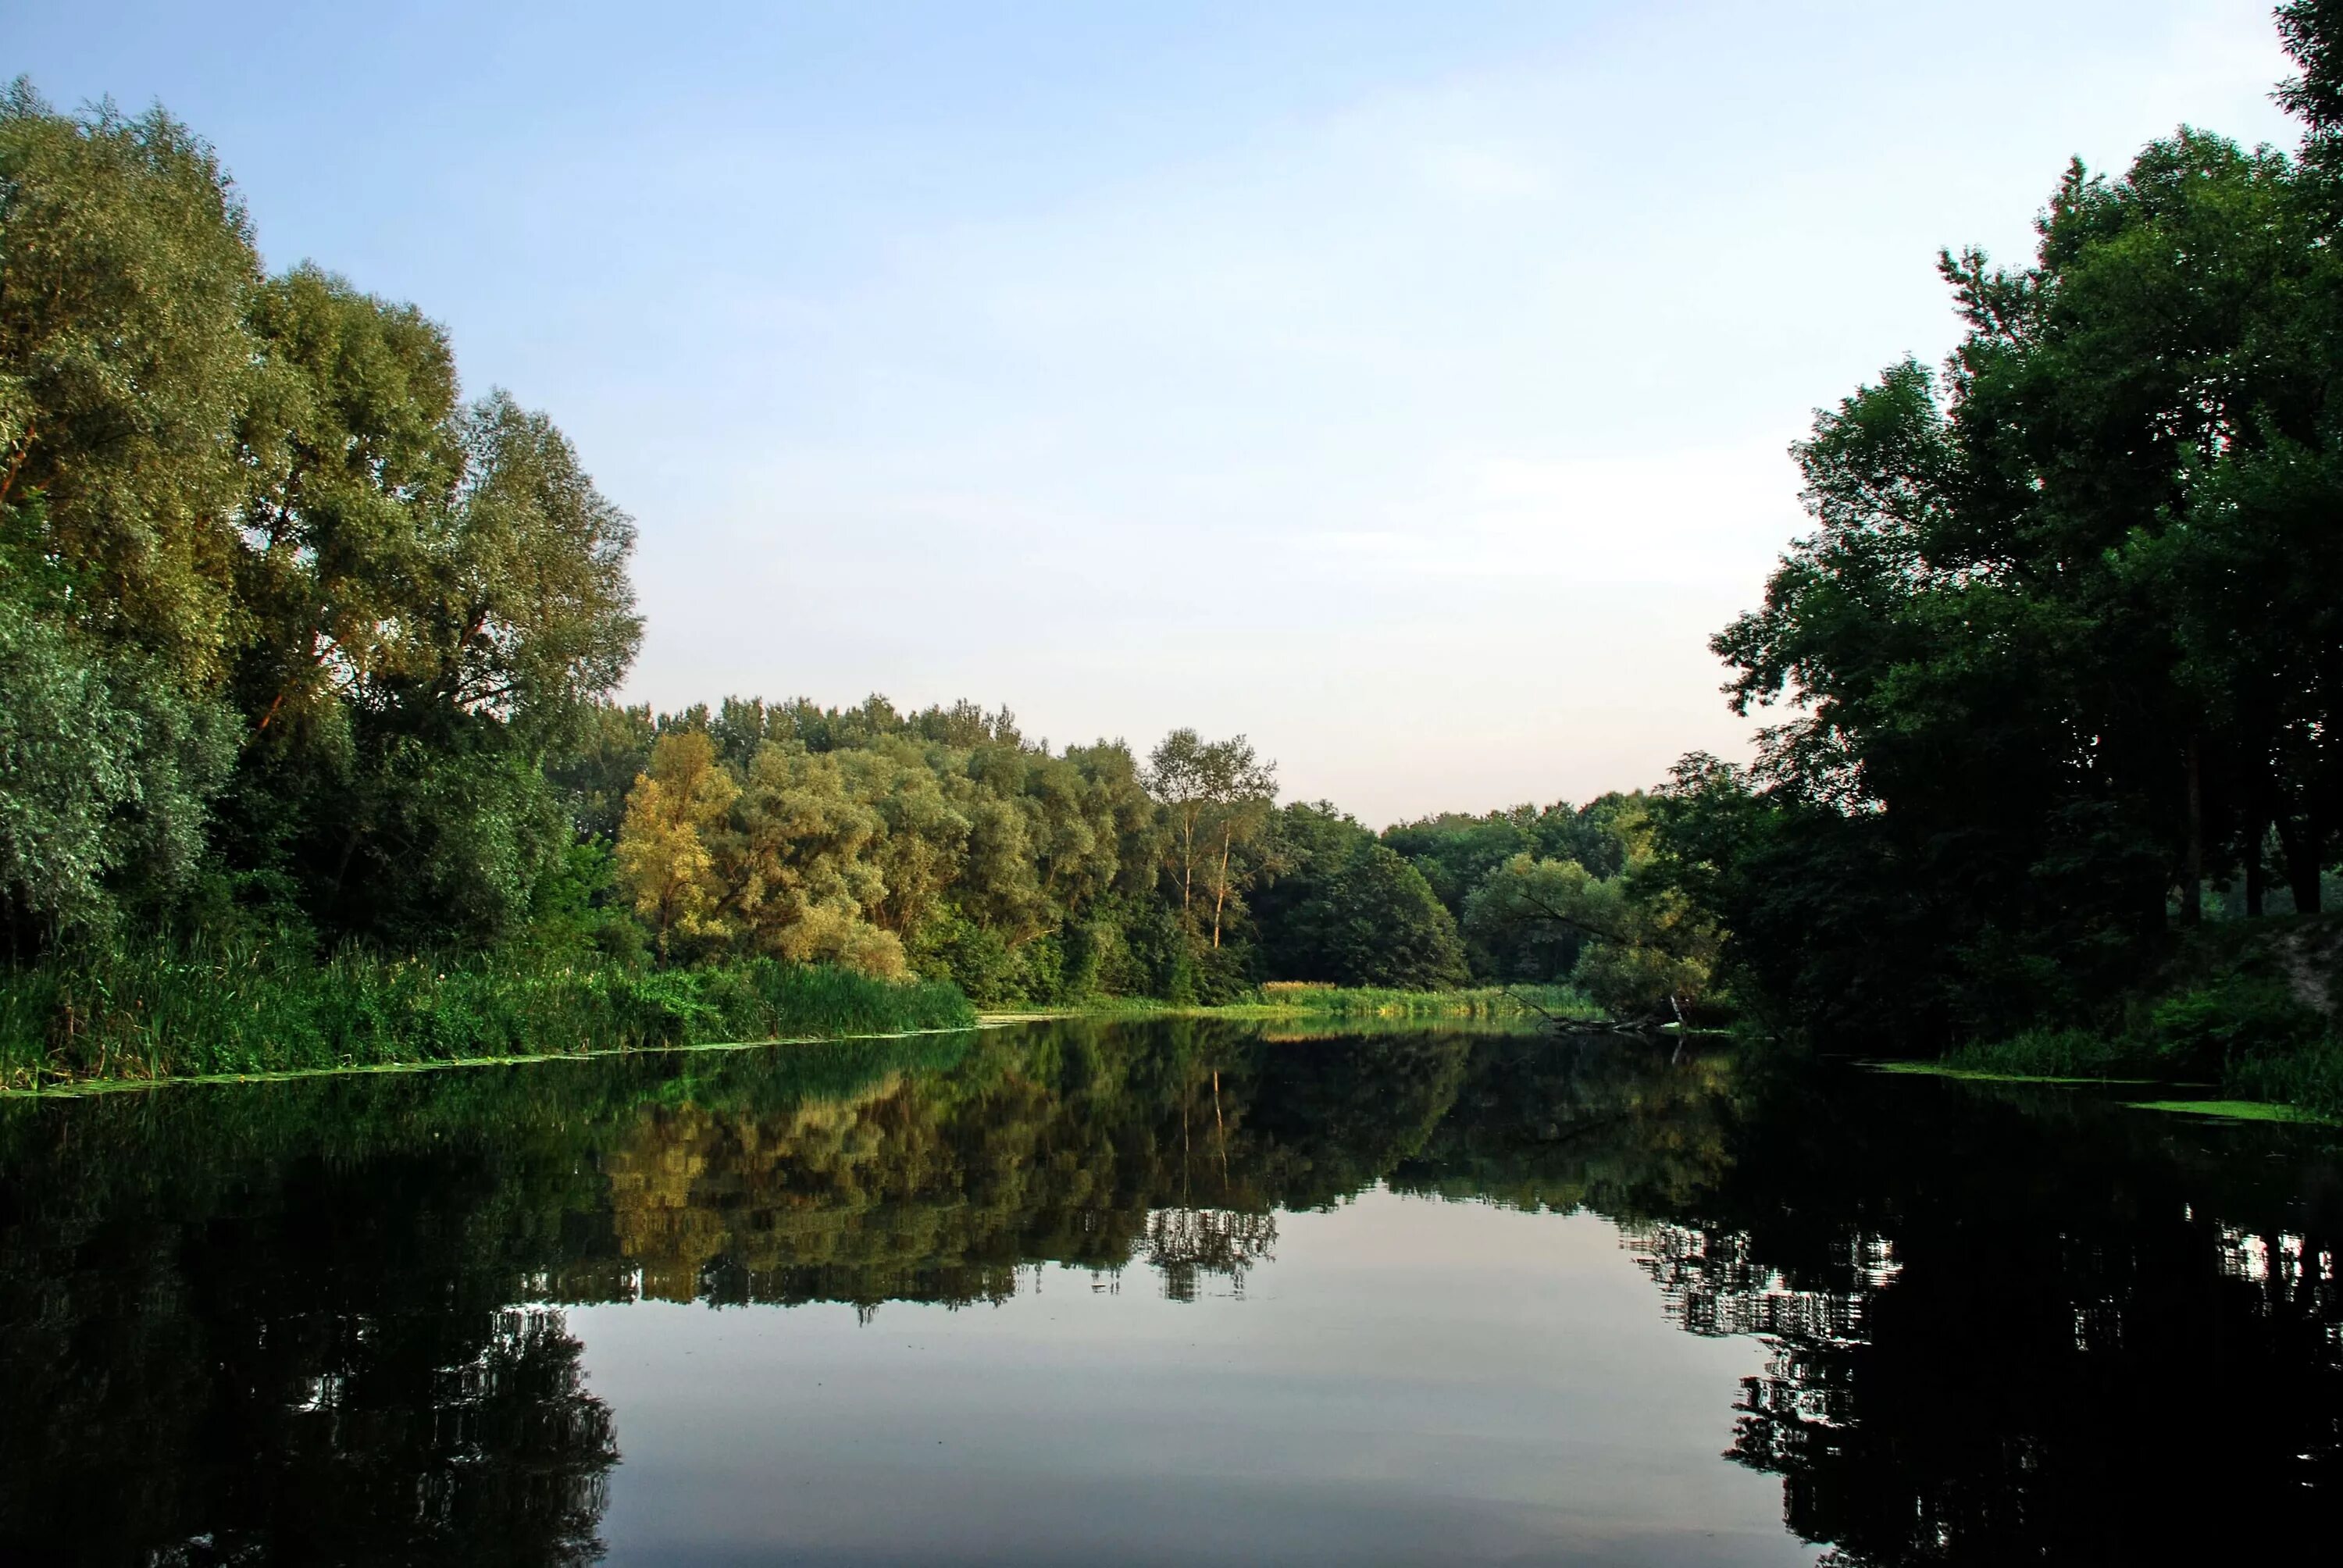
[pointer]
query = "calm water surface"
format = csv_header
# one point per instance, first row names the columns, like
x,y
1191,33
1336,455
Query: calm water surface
x,y
1183,1291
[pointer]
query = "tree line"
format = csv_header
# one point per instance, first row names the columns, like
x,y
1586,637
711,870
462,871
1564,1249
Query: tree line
x,y
302,645
946,843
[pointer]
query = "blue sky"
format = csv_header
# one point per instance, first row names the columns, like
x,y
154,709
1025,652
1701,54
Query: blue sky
x,y
1405,386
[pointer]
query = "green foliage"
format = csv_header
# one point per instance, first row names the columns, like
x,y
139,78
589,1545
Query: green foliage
x,y
283,620
2072,1053
1646,947
1473,1001
1455,853
124,364
940,840
2236,1019
1308,843
1216,797
1376,922
2241,1007
237,1008
2060,652
1459,855
108,765
2310,1077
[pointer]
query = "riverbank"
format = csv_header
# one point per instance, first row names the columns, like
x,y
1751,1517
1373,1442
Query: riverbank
x,y
242,1012
1281,1002
2246,1007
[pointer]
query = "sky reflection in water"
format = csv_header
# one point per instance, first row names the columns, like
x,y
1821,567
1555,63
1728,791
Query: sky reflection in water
x,y
1408,1380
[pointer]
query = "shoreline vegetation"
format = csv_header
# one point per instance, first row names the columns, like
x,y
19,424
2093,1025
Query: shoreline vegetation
x,y
1279,999
2244,1009
236,1016
237,1012
2237,1110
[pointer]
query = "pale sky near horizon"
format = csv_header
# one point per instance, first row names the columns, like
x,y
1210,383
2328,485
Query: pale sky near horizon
x,y
1406,387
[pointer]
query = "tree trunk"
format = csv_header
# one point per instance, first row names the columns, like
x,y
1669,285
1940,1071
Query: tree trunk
x,y
1186,860
2257,876
1220,890
2192,893
2304,846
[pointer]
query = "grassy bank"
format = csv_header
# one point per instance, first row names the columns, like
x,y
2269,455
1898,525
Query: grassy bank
x,y
1370,1001
2249,1006
148,1015
1335,1003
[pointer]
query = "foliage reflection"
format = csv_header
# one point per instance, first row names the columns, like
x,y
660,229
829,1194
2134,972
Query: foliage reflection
x,y
322,1320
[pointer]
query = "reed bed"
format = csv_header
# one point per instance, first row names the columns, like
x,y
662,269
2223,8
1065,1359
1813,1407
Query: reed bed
x,y
244,1009
1311,999
1481,1001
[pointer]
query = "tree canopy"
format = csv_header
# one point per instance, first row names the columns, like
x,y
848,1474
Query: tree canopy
x,y
2063,658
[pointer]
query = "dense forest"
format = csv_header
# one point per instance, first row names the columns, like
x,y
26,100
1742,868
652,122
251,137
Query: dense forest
x,y
309,662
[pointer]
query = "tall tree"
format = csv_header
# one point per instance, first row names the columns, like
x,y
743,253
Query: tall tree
x,y
125,262
1217,797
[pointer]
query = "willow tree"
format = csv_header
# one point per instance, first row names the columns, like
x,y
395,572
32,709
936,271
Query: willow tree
x,y
796,864
664,860
126,263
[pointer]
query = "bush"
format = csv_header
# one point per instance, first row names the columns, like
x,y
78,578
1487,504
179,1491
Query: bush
x,y
2238,1018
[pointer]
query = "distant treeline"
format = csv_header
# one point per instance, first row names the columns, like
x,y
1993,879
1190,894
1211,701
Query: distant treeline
x,y
946,843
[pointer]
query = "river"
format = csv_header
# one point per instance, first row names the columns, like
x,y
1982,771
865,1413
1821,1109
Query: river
x,y
1175,1291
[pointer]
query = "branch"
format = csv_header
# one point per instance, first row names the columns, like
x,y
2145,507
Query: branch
x,y
23,449
1572,921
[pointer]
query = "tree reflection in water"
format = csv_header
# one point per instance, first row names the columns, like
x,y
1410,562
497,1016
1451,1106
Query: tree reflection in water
x,y
1187,1244
322,1321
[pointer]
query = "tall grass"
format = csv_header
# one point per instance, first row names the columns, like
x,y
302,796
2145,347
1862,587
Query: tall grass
x,y
2055,1053
1483,1001
231,1009
2310,1076
1292,999
2291,1067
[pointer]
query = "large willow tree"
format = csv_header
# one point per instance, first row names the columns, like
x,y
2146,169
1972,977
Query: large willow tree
x,y
286,622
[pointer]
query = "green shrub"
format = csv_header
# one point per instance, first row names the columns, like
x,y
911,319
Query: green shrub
x,y
2237,1018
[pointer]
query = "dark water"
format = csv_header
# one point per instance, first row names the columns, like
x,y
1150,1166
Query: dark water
x,y
1173,1292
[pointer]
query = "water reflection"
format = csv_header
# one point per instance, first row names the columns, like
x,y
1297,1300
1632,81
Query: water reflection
x,y
325,1322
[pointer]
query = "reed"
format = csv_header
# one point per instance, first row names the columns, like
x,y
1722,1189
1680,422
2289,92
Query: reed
x,y
1315,999
233,1008
1482,1001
